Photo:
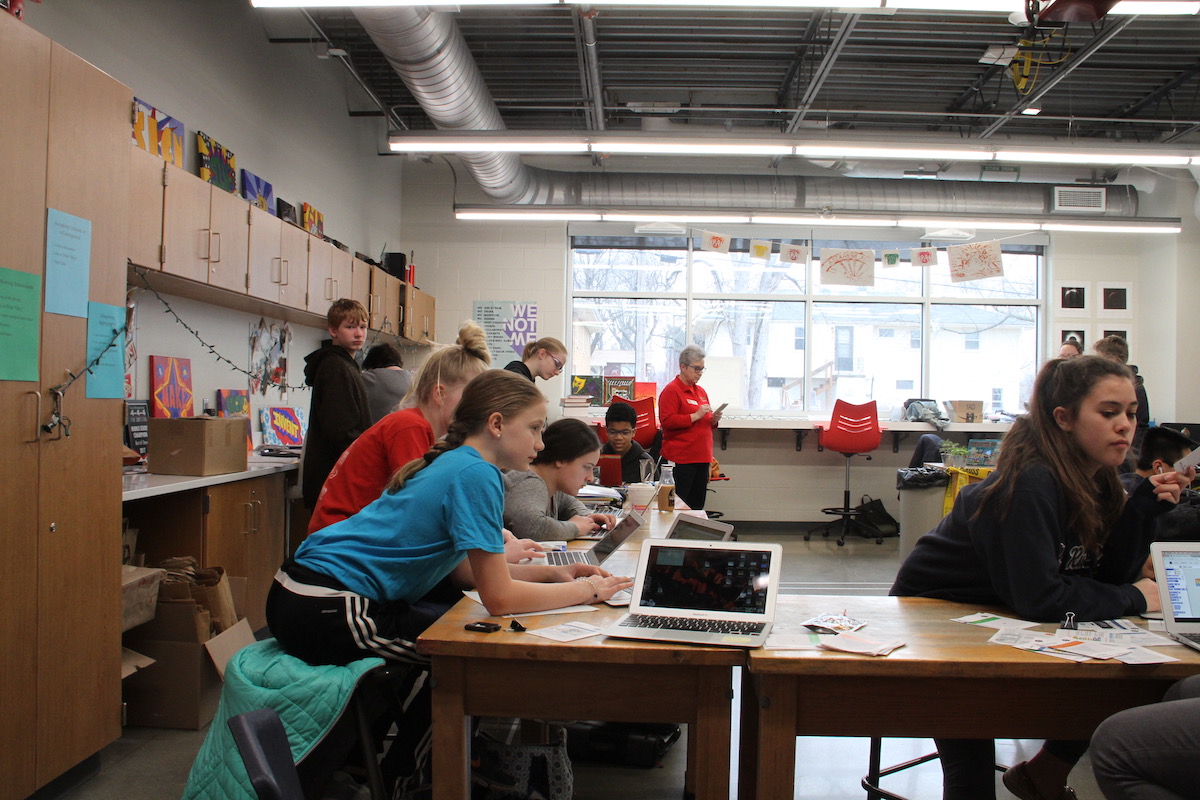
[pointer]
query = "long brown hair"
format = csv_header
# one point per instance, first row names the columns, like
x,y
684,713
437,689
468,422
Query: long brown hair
x,y
495,391
1094,501
451,365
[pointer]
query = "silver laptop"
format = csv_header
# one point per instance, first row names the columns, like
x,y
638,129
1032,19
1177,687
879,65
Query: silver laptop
x,y
598,553
1177,567
700,592
690,526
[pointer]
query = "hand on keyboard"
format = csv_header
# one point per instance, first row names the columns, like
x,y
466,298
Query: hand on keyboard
x,y
621,598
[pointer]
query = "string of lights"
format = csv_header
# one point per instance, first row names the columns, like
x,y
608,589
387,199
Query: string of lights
x,y
57,418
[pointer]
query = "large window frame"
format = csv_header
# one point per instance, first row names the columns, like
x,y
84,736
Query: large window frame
x,y
709,298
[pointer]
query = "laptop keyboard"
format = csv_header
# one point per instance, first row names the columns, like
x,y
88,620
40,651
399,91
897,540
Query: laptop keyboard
x,y
1191,637
557,558
687,624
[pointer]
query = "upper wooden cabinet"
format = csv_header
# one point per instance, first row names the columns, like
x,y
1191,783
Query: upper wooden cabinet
x,y
360,281
206,232
386,292
419,320
147,173
229,234
330,275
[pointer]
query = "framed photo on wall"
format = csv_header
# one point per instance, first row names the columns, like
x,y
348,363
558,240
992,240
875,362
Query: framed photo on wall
x,y
1080,333
1073,298
1115,299
1126,332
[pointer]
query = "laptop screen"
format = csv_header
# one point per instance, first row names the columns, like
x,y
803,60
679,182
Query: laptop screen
x,y
702,579
689,527
1182,575
617,536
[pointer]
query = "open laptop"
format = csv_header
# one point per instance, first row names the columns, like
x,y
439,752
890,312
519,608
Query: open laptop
x,y
690,526
698,592
1177,567
601,550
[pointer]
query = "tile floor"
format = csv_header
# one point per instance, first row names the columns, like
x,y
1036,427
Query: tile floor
x,y
152,764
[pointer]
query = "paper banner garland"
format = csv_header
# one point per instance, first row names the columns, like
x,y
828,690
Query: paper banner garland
x,y
924,256
716,242
794,253
975,261
760,249
891,258
847,267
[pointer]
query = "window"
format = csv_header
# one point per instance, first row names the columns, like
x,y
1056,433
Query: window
x,y
779,340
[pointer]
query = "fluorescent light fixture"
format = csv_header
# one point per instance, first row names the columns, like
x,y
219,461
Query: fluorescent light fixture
x,y
977,224
602,145
931,153
1031,111
1085,157
497,143
392,3
826,222
1081,227
1002,6
532,215
687,217
1144,7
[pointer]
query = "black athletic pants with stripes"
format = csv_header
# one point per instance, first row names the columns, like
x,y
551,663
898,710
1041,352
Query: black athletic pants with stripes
x,y
319,621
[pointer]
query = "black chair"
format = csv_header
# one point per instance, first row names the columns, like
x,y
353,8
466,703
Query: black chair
x,y
870,781
263,744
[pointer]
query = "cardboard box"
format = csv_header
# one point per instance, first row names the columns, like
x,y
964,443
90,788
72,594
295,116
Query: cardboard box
x,y
970,411
183,685
197,446
139,595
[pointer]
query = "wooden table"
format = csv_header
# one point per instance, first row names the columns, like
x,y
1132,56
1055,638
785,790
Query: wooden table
x,y
947,681
509,674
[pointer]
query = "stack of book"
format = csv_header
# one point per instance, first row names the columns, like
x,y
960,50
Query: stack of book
x,y
576,405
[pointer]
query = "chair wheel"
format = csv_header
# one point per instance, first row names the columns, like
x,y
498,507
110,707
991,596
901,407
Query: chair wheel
x,y
841,543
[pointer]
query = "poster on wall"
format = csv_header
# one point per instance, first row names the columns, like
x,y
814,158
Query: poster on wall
x,y
507,326
20,325
68,260
1116,299
268,356
105,351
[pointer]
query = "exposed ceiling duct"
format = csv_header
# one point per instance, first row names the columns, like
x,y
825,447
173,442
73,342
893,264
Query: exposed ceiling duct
x,y
429,53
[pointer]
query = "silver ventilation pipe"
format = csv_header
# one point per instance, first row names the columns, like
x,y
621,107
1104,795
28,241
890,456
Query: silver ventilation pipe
x,y
428,52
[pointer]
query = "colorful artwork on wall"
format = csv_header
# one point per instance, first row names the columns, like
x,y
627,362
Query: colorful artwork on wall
x,y
268,356
171,387
287,212
218,165
314,221
233,402
282,425
258,191
158,133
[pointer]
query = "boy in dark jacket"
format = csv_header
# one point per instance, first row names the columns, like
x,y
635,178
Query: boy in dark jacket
x,y
339,410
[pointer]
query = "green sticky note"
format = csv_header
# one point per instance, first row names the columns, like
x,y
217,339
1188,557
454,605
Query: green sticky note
x,y
20,325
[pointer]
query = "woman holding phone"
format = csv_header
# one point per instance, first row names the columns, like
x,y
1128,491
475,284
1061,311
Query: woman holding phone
x,y
687,420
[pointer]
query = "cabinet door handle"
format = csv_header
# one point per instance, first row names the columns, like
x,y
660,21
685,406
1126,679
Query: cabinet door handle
x,y
217,235
248,518
60,406
280,271
285,272
37,419
337,290
329,289
257,515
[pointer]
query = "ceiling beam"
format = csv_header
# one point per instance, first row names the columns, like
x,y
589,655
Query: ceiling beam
x,y
593,85
1090,49
806,42
831,56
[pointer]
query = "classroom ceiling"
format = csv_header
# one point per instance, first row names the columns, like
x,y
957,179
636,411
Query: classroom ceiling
x,y
908,73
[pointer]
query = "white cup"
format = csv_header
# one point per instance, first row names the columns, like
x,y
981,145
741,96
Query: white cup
x,y
640,495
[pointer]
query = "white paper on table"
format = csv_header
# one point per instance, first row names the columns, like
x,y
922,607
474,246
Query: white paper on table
x,y
1014,637
793,641
993,621
567,631
1134,638
1041,648
474,595
1085,648
1140,655
853,643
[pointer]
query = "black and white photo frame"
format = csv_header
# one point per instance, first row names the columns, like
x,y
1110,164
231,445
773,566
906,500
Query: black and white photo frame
x,y
1080,333
1073,298
1114,300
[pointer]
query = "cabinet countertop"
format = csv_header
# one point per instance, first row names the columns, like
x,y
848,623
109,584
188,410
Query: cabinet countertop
x,y
143,485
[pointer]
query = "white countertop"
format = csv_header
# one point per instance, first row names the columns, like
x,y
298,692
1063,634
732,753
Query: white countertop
x,y
142,485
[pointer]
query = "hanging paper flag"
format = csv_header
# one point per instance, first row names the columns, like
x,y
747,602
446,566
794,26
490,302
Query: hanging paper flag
x,y
717,242
975,261
794,253
924,256
891,258
847,267
760,249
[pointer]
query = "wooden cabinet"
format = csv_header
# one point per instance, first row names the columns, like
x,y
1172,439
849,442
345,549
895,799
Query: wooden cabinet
x,y
360,281
65,129
147,173
419,321
278,260
205,232
243,532
330,275
386,294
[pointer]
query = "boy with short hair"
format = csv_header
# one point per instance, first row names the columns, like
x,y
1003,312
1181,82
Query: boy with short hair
x,y
339,410
620,422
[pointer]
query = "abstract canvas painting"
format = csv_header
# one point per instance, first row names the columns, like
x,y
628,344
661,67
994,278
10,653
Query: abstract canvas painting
x,y
283,426
158,133
171,387
218,165
233,402
287,212
314,221
258,191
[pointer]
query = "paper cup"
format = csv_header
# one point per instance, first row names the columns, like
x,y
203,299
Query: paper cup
x,y
640,495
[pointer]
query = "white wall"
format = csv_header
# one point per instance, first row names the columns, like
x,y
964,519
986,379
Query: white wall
x,y
280,110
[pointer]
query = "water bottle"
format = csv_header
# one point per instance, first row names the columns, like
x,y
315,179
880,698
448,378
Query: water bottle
x,y
666,488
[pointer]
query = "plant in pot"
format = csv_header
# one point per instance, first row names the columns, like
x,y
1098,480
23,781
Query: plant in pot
x,y
953,454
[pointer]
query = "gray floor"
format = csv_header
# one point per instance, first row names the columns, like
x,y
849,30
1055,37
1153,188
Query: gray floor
x,y
152,764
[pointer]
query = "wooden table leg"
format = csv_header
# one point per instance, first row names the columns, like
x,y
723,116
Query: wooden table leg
x,y
709,737
748,736
776,739
450,745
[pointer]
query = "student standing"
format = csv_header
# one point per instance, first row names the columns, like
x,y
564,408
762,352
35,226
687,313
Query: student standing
x,y
687,420
541,359
338,411
1051,531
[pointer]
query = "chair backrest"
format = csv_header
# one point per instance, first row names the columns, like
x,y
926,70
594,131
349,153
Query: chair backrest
x,y
263,744
852,428
647,420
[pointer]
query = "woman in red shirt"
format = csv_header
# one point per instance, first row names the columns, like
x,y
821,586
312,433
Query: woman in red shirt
x,y
687,419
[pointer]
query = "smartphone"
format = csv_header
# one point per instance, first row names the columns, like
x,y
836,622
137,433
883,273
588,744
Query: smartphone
x,y
721,408
482,627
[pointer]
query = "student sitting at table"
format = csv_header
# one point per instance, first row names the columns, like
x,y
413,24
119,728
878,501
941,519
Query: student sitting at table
x,y
1051,531
620,422
540,504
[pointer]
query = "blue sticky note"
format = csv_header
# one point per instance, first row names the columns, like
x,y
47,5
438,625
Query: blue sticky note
x,y
106,341
68,256
19,325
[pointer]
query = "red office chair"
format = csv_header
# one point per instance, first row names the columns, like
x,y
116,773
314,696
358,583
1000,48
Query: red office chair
x,y
853,430
647,420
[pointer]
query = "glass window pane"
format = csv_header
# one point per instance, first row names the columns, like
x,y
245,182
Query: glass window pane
x,y
752,359
1019,281
628,337
903,280
737,273
1002,368
629,270
852,361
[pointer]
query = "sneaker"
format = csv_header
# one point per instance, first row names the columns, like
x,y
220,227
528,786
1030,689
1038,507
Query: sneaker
x,y
1016,779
